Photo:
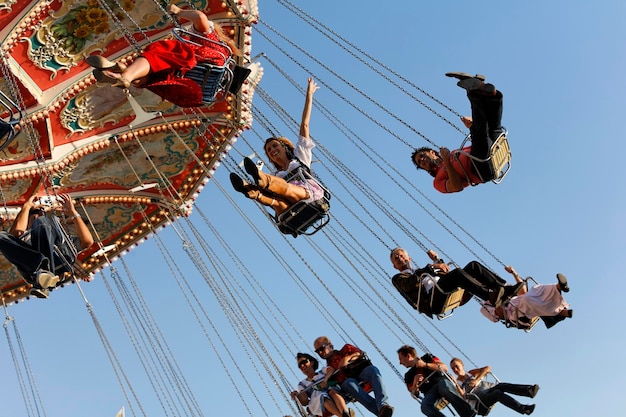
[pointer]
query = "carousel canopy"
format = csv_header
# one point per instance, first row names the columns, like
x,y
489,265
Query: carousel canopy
x,y
128,172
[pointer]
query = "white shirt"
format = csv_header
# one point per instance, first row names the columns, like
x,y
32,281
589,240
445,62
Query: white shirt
x,y
428,281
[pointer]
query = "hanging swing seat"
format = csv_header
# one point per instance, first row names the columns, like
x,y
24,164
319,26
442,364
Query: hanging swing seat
x,y
9,122
304,218
499,159
510,315
301,217
441,403
486,382
214,80
521,322
436,302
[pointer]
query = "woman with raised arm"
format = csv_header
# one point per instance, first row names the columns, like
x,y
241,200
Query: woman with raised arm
x,y
273,190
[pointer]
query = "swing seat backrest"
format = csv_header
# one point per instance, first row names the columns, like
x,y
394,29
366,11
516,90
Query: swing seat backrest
x,y
499,158
302,215
480,408
12,115
212,79
443,303
522,322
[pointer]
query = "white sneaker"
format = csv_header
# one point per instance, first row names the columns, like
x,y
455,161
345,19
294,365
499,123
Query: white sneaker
x,y
46,279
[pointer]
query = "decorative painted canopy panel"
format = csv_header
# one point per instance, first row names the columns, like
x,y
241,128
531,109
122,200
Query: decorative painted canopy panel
x,y
76,136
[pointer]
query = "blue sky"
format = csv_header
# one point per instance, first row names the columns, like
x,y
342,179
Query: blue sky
x,y
560,66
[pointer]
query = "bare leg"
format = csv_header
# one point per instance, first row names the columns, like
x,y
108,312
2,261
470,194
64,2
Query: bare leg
x,y
331,407
278,205
199,20
287,192
253,192
339,401
135,73
295,193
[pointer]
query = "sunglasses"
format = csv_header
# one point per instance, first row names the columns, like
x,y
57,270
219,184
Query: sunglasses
x,y
303,362
321,348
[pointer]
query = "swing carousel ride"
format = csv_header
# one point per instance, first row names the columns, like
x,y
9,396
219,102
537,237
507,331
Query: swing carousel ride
x,y
131,162
236,298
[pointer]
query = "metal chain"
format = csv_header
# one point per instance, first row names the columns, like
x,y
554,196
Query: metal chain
x,y
125,31
341,96
335,37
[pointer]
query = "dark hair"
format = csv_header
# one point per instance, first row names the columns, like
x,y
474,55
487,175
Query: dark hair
x,y
314,361
433,173
288,145
407,350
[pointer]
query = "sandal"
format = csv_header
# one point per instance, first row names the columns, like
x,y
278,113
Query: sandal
x,y
110,77
101,63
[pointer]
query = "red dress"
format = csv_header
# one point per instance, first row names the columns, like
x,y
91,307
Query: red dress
x,y
170,59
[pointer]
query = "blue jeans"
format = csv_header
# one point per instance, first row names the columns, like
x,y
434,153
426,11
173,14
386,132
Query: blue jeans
x,y
444,388
370,374
39,254
498,392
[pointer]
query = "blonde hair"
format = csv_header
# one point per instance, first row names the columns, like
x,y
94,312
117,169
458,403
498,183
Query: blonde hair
x,y
219,31
456,360
324,340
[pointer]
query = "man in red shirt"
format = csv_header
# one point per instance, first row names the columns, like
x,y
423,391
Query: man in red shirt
x,y
454,173
349,367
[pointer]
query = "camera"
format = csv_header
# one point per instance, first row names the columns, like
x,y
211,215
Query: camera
x,y
47,200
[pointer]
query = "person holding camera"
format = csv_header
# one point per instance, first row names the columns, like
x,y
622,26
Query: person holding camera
x,y
39,247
